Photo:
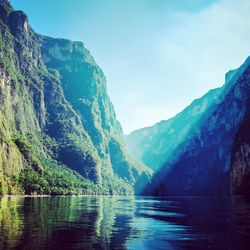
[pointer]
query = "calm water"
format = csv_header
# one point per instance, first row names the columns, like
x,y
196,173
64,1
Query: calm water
x,y
124,223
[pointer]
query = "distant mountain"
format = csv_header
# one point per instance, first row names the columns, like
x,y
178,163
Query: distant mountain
x,y
58,129
204,149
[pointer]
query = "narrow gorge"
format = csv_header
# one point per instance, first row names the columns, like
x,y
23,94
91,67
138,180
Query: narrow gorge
x,y
59,133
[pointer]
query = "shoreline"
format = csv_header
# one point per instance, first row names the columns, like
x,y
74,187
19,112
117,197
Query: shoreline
x,y
116,195
48,195
40,195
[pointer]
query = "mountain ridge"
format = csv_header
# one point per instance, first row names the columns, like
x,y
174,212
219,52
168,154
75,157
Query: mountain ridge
x,y
59,133
194,147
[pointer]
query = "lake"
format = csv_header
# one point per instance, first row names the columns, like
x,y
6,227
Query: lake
x,y
124,223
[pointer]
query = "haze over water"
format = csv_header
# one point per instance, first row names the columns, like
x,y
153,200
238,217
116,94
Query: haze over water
x,y
124,223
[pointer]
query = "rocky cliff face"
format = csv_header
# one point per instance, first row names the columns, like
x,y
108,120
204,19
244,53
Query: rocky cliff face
x,y
58,129
240,162
191,153
153,145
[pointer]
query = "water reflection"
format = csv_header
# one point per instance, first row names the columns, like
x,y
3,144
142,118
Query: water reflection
x,y
10,222
124,223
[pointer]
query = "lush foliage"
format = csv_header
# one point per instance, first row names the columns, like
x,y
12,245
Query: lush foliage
x,y
58,130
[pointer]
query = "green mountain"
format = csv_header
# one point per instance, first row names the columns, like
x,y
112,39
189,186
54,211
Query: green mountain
x,y
58,129
204,149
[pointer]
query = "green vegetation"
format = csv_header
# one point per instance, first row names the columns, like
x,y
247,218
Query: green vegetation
x,y
58,130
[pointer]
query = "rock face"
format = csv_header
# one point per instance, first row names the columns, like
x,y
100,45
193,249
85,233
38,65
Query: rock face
x,y
58,128
203,150
240,170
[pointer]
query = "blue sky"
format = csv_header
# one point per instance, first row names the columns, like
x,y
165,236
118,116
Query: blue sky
x,y
157,55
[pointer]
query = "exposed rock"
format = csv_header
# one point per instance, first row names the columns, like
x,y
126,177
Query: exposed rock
x,y
18,23
56,119
191,153
240,169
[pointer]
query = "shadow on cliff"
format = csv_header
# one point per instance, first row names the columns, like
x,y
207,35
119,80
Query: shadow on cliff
x,y
240,159
200,163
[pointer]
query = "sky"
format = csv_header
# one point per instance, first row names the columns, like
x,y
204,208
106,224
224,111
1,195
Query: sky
x,y
157,55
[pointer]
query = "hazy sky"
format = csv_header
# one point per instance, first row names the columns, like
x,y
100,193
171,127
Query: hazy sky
x,y
157,55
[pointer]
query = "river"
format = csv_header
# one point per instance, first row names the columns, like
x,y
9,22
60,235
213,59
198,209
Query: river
x,y
116,222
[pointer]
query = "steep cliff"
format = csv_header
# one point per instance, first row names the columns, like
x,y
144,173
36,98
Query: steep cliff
x,y
240,161
191,153
58,129
84,87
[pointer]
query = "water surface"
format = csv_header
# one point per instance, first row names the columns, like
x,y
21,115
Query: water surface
x,y
124,223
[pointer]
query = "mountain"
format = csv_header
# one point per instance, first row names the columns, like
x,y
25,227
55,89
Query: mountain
x,y
240,160
58,129
203,150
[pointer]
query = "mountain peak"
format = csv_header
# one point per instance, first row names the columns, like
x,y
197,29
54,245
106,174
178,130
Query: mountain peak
x,y
5,9
55,116
18,22
5,3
